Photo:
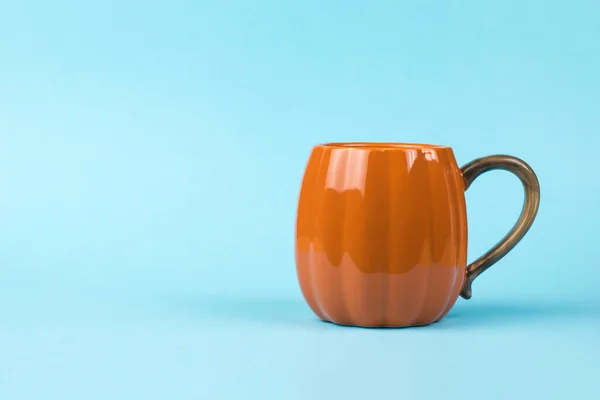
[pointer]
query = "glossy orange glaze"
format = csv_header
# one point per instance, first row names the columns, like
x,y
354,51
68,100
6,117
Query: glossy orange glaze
x,y
381,233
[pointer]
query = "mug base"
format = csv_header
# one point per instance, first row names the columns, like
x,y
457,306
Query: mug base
x,y
379,326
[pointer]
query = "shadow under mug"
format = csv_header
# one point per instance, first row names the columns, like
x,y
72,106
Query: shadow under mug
x,y
381,231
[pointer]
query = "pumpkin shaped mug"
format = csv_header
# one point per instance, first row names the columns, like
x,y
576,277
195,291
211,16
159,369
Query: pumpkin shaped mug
x,y
381,231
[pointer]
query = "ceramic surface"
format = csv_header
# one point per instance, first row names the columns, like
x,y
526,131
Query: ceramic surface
x,y
381,233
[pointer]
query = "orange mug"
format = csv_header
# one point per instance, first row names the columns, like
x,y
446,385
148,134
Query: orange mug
x,y
381,231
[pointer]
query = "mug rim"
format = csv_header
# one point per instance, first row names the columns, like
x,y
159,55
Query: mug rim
x,y
397,146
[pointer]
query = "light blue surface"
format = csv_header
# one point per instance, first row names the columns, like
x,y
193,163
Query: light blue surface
x,y
150,160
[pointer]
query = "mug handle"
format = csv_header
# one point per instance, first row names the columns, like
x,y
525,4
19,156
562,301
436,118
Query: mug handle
x,y
531,185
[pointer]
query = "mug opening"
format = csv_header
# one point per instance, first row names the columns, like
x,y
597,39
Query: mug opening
x,y
383,146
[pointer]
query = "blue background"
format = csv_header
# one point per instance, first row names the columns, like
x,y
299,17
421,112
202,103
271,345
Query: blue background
x,y
150,160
